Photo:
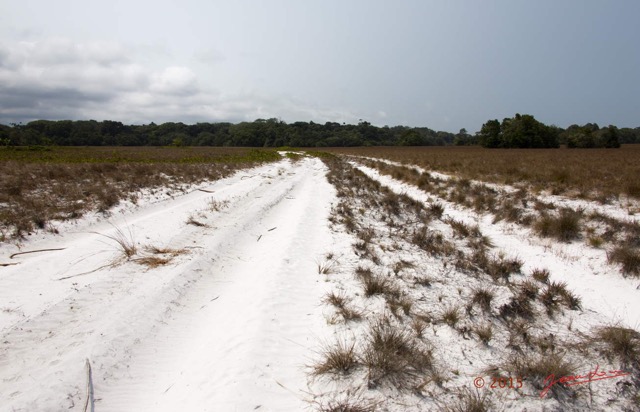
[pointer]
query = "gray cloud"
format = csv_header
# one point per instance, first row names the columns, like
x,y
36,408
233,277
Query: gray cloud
x,y
59,79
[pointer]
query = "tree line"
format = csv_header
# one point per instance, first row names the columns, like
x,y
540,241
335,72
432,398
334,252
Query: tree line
x,y
260,133
520,131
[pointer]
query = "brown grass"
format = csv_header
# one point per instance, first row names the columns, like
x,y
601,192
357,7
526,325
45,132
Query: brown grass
x,y
628,257
393,356
339,358
342,303
158,256
565,226
556,293
37,188
541,275
597,173
621,343
483,298
536,368
470,401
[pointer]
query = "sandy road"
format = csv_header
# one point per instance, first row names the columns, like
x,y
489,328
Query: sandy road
x,y
229,325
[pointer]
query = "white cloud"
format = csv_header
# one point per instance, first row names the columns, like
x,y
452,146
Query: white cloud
x,y
174,80
60,79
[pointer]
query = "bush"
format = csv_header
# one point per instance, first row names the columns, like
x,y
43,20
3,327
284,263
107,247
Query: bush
x,y
564,227
626,256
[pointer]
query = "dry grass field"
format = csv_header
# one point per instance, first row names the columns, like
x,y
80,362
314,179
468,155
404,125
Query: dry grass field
x,y
595,174
354,284
41,185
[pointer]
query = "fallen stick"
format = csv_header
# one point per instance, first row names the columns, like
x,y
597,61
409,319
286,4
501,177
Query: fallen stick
x,y
273,228
8,264
87,273
206,191
259,237
35,251
89,400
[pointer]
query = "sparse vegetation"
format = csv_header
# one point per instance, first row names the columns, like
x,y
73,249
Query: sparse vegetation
x,y
541,275
65,183
483,298
536,368
564,227
393,356
621,343
470,401
484,332
595,172
557,293
628,257
450,316
124,241
342,304
339,358
477,293
377,285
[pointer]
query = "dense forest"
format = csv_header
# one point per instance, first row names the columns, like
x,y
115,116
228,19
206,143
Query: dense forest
x,y
260,133
519,131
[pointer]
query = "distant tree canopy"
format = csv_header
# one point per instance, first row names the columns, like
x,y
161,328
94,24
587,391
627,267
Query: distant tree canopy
x,y
591,136
524,131
260,133
521,131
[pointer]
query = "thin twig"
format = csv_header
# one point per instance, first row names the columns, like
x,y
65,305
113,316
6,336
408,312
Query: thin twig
x,y
35,251
89,272
273,228
206,191
9,264
90,400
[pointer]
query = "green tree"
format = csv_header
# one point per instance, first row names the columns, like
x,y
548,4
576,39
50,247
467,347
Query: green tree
x,y
610,138
490,134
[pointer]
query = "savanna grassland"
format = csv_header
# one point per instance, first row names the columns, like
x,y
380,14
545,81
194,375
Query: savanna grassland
x,y
364,281
595,174
43,184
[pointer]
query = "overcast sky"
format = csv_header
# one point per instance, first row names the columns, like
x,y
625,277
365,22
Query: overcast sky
x,y
441,64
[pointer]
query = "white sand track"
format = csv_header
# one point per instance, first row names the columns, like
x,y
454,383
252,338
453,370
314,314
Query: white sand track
x,y
227,326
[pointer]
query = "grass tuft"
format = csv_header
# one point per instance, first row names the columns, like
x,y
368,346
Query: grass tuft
x,y
450,316
378,285
341,302
393,356
557,293
537,368
124,242
484,332
470,401
564,227
338,359
622,343
541,275
483,298
628,257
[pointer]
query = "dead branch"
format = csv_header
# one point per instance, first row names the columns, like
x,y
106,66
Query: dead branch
x,y
206,191
35,251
